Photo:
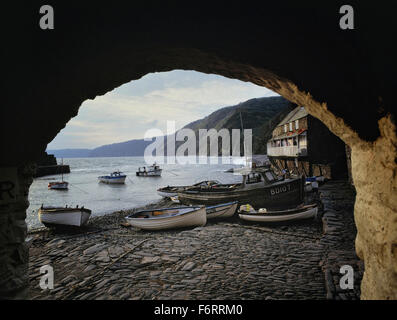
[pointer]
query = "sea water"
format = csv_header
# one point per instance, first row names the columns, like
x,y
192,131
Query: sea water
x,y
85,190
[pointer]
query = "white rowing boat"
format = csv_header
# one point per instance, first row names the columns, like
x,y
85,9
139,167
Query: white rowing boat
x,y
223,210
168,218
303,212
64,216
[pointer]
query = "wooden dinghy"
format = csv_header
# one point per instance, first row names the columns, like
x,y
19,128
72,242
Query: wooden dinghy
x,y
302,212
169,218
223,210
64,216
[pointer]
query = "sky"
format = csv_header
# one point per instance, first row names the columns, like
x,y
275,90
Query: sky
x,y
132,109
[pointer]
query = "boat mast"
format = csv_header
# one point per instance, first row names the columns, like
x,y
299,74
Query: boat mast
x,y
242,128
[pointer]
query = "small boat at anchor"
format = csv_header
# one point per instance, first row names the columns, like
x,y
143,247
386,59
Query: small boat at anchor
x,y
59,185
172,191
114,177
64,216
298,213
224,210
151,171
168,218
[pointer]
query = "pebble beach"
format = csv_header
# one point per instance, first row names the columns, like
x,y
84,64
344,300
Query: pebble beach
x,y
226,259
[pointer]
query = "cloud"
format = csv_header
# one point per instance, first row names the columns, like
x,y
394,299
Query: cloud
x,y
129,111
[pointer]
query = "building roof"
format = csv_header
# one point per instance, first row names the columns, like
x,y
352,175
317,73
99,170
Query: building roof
x,y
297,113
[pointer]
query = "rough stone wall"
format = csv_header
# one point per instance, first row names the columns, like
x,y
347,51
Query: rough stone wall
x,y
374,170
14,252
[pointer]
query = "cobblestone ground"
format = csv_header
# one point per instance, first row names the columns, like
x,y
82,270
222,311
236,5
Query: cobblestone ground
x,y
227,259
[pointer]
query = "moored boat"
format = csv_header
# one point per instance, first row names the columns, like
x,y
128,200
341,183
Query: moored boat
x,y
300,212
260,187
224,210
168,218
58,185
64,216
172,191
151,171
114,177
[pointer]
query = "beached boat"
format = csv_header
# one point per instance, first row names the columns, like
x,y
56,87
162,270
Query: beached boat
x,y
172,191
64,216
301,212
168,218
223,210
114,177
150,171
260,187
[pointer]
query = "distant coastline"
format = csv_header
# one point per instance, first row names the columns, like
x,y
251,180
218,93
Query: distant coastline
x,y
259,114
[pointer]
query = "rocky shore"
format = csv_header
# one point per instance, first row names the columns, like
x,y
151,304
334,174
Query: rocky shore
x,y
226,259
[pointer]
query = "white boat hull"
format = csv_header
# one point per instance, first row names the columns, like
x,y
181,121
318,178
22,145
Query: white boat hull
x,y
58,186
112,180
310,213
195,218
67,218
222,211
167,194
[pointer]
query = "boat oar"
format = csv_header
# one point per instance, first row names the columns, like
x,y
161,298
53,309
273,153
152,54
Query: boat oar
x,y
173,173
130,180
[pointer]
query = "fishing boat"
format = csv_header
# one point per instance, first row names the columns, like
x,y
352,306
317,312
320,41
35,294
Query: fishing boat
x,y
64,216
59,185
172,191
151,171
114,177
260,187
223,210
168,218
263,215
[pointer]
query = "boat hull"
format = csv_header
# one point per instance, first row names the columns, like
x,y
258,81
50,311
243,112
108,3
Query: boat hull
x,y
283,194
224,210
165,194
156,173
197,218
64,217
279,217
58,185
118,180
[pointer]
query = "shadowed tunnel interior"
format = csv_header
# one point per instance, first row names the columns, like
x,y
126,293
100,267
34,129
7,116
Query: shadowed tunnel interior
x,y
295,49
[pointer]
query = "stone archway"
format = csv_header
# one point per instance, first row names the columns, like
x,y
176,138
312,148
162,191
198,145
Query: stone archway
x,y
322,68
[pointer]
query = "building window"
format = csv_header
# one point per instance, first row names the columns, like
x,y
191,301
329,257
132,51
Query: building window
x,y
296,124
290,126
285,128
